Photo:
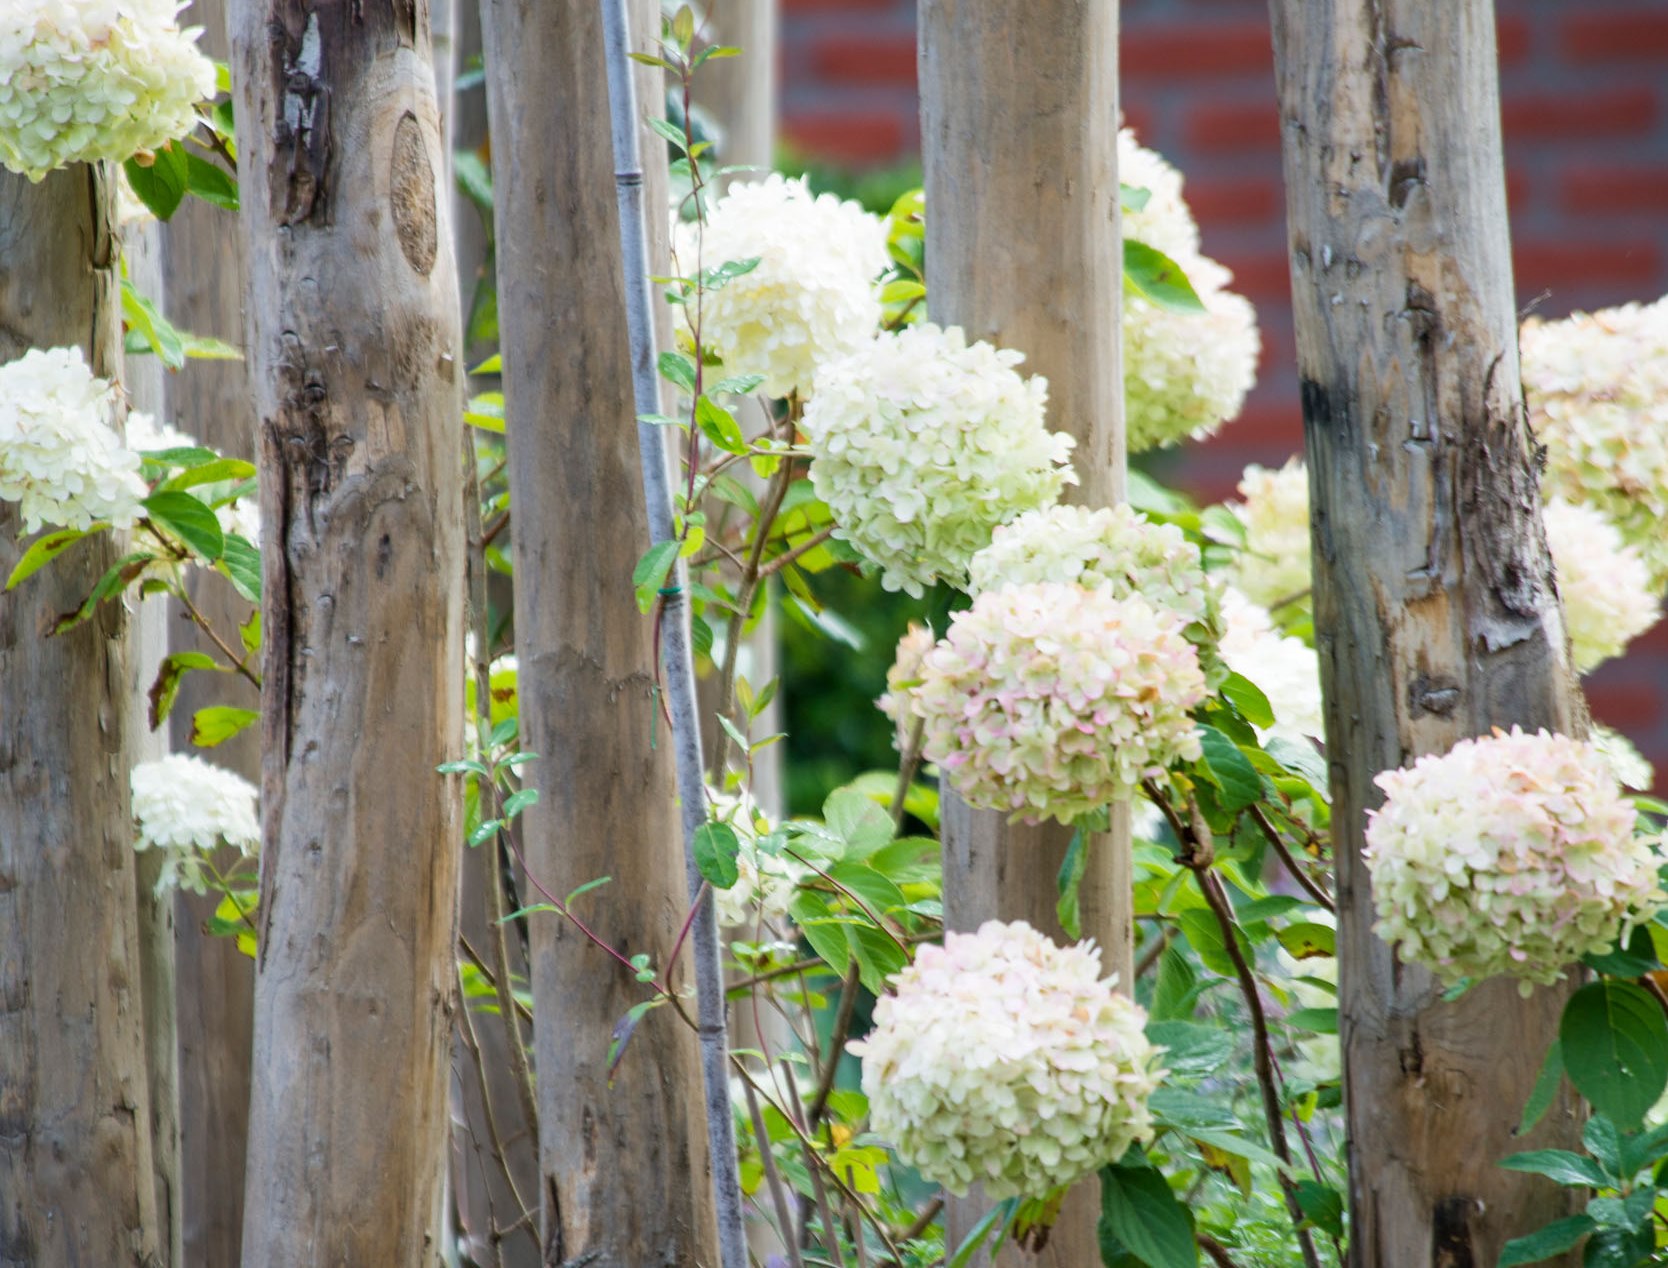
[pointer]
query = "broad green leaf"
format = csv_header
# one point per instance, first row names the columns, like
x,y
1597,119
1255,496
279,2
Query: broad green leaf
x,y
218,723
1138,1210
854,818
115,578
1070,884
878,957
209,182
1604,1142
1560,1165
161,183
1323,1021
879,893
1175,991
1192,1050
828,938
190,519
1159,278
1308,940
1322,1206
678,369
209,473
651,572
1249,699
1229,770
241,563
716,847
146,320
519,800
167,685
1204,933
47,547
718,425
1615,1048
1545,1089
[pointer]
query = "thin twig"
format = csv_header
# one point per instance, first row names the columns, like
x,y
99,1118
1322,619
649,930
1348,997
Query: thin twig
x,y
778,1197
474,957
831,1234
922,1222
238,664
789,556
1215,1249
472,1042
1149,957
910,762
836,1044
1272,834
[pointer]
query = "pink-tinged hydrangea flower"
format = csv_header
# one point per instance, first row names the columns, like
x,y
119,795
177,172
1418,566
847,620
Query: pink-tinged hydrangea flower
x,y
1274,507
82,80
1285,668
1606,588
1051,700
922,444
1597,388
1117,547
812,296
1185,373
189,808
61,459
1001,1059
904,674
1512,855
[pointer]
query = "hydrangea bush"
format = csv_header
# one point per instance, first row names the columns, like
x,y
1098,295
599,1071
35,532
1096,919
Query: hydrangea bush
x,y
189,809
1273,568
1511,855
922,444
83,80
1608,596
1002,1059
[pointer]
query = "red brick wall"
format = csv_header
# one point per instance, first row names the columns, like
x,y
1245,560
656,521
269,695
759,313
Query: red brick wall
x,y
1584,87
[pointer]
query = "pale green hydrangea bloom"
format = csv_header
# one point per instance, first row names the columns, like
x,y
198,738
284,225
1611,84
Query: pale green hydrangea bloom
x,y
1606,588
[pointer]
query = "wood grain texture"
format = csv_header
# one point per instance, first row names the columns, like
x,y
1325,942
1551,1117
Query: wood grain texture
x,y
75,1143
1019,101
1435,610
356,378
623,1172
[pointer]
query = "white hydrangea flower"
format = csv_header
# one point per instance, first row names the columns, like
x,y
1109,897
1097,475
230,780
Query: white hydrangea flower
x,y
1285,668
61,458
902,677
1117,547
1185,374
83,80
1002,1059
1606,588
1597,388
922,444
813,295
1623,758
146,434
765,883
1051,700
1509,855
190,808
1274,565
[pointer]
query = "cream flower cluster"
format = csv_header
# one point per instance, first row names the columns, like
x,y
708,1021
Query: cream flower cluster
x,y
1510,855
1597,388
82,80
1003,1059
902,677
1605,586
812,296
190,808
1274,508
1117,547
765,883
1051,700
61,459
922,444
1623,758
1185,374
1285,668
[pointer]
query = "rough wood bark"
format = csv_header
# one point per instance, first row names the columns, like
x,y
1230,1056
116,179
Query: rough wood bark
x,y
1019,102
356,373
214,982
618,1163
75,1146
1435,611
740,92
143,378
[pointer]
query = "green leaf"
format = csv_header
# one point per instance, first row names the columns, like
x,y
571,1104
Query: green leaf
x,y
486,411
828,938
1249,699
1069,882
1545,1089
167,684
1615,1048
1560,1165
1174,993
854,818
1322,1205
1204,933
190,519
1229,770
739,384
519,800
146,320
218,723
586,888
1635,959
678,369
718,425
216,472
721,275
878,957
241,563
1138,1210
45,548
993,1222
1323,1021
114,580
1192,1050
1604,1142
716,847
209,182
161,183
881,894
1545,1242
1307,940
651,571
1159,278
